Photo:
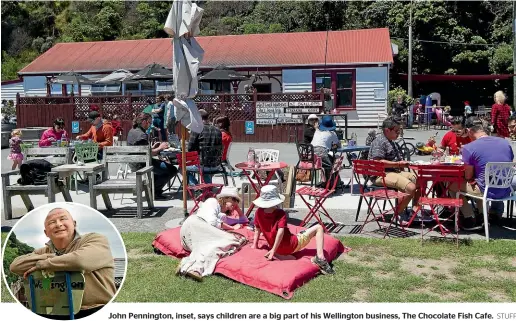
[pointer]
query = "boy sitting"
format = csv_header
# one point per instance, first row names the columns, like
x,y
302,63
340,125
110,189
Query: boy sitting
x,y
272,222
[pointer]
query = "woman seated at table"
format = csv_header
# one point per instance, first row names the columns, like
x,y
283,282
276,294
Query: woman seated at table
x,y
57,132
204,234
325,139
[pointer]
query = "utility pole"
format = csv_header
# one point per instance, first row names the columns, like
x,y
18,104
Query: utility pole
x,y
409,71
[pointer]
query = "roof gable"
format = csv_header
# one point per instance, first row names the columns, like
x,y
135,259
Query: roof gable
x,y
256,50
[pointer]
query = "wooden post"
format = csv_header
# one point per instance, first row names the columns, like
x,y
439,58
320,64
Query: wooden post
x,y
183,169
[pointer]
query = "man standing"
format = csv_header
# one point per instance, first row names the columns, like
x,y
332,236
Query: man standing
x,y
476,155
101,131
385,150
163,171
456,138
210,136
69,251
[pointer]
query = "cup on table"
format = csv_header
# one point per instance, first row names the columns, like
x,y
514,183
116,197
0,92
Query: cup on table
x,y
344,143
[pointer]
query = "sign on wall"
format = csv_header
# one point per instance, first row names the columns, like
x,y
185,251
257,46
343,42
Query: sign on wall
x,y
280,112
75,127
249,127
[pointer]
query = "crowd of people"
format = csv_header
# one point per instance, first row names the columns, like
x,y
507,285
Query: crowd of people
x,y
473,138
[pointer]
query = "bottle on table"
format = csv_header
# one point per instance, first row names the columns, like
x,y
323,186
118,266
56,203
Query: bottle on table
x,y
447,158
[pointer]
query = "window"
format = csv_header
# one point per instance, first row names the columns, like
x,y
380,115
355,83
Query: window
x,y
342,85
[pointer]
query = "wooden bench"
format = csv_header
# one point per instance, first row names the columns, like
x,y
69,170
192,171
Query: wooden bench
x,y
143,181
56,156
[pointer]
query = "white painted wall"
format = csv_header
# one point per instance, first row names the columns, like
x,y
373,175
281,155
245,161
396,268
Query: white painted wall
x,y
9,91
367,107
297,80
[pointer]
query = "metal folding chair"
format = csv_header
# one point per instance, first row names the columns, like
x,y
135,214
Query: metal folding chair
x,y
204,190
320,195
431,176
372,168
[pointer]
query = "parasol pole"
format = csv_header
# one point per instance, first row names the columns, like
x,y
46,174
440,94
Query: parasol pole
x,y
183,169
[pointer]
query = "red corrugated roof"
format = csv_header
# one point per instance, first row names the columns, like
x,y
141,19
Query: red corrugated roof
x,y
258,50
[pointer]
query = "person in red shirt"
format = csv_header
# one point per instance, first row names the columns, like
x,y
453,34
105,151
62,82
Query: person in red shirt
x,y
500,113
456,137
223,125
272,222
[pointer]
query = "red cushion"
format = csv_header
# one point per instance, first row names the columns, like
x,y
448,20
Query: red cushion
x,y
248,266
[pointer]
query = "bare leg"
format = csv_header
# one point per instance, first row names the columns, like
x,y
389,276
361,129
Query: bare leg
x,y
318,232
15,163
410,189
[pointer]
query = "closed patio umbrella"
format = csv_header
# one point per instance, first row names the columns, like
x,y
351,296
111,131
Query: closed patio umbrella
x,y
183,24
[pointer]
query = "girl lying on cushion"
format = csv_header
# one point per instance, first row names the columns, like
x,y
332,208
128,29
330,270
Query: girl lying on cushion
x,y
204,234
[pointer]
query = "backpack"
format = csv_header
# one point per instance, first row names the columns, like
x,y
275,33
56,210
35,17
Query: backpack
x,y
34,172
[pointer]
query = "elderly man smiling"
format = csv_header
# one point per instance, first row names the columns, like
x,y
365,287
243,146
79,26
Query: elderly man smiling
x,y
67,250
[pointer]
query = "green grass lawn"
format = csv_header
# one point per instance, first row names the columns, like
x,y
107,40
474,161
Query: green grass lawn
x,y
392,270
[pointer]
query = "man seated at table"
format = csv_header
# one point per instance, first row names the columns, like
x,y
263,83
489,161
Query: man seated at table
x,y
70,251
456,138
385,150
310,126
325,140
163,171
101,131
475,156
210,136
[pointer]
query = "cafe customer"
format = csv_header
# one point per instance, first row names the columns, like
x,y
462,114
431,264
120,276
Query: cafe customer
x,y
310,126
70,251
163,171
476,155
101,131
456,138
326,140
384,149
53,134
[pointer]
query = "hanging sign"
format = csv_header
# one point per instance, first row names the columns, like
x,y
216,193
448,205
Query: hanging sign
x,y
249,127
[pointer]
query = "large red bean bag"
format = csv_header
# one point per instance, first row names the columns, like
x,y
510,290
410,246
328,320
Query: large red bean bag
x,y
248,266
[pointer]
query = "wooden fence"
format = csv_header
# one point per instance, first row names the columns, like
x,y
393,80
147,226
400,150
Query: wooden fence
x,y
42,111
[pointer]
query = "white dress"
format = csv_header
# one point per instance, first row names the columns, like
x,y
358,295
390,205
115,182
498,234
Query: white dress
x,y
207,243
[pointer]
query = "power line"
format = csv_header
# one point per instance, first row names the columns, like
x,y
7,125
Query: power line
x,y
453,43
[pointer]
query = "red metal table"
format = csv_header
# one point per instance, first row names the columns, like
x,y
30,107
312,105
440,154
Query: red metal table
x,y
268,167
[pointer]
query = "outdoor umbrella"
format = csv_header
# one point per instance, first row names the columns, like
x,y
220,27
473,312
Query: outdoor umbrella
x,y
183,24
70,78
153,71
119,75
220,73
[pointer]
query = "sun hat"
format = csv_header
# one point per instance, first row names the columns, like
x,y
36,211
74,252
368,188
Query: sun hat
x,y
327,123
269,197
229,192
312,116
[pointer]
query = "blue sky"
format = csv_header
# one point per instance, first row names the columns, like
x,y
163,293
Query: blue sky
x,y
30,228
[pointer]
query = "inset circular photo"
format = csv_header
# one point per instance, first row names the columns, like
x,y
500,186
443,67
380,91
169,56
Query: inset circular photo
x,y
64,261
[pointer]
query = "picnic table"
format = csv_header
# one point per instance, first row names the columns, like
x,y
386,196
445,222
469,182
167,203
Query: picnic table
x,y
248,170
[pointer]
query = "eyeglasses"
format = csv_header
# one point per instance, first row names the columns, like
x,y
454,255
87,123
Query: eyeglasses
x,y
512,126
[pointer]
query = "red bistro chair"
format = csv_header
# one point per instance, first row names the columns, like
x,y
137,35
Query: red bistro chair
x,y
372,168
320,195
443,176
206,190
